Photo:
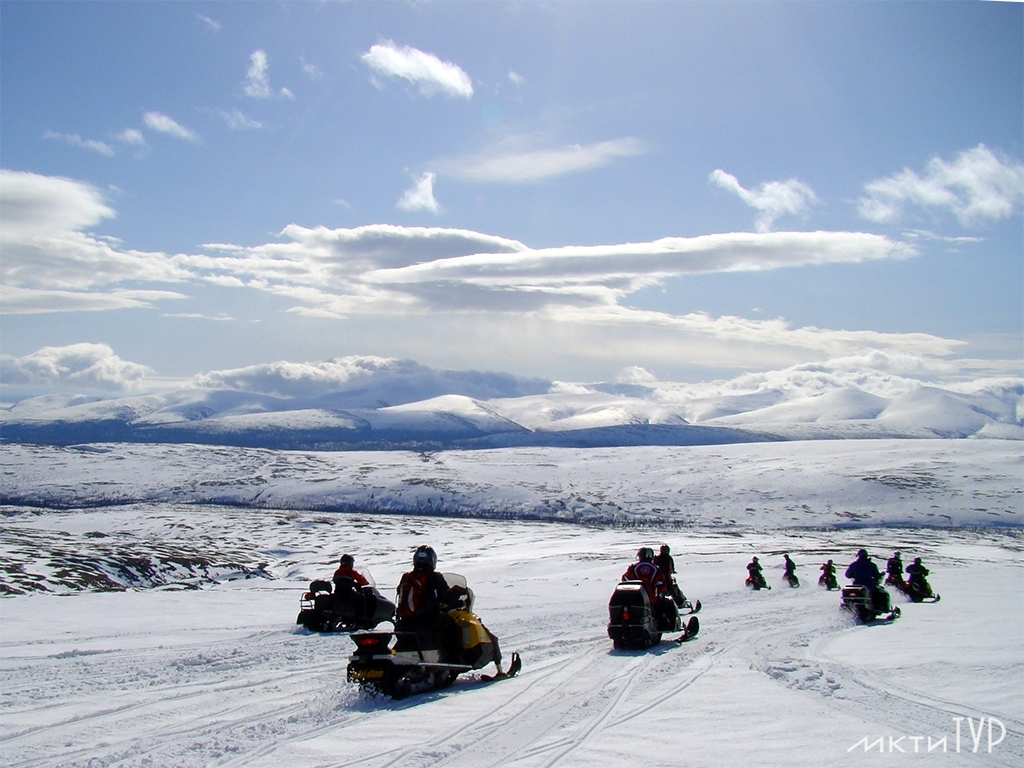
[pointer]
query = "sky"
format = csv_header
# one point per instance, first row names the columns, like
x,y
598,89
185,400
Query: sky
x,y
572,191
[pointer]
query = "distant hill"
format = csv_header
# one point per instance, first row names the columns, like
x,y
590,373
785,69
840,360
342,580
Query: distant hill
x,y
402,405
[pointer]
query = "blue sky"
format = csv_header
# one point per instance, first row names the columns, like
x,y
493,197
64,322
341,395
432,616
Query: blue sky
x,y
564,190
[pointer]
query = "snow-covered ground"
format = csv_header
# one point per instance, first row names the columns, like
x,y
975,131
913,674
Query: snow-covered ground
x,y
740,486
165,675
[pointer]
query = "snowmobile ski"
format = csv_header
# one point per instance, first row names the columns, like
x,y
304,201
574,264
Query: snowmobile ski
x,y
513,669
688,608
691,630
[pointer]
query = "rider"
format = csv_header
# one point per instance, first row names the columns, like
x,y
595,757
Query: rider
x,y
864,573
894,568
423,602
756,576
917,573
645,570
828,573
347,585
790,573
667,566
347,571
655,584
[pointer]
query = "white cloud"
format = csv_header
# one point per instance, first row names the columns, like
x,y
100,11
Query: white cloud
x,y
257,82
513,162
772,199
213,26
375,380
132,137
424,70
386,268
33,204
237,120
420,197
312,70
83,366
31,301
77,141
516,78
51,264
634,374
161,123
411,284
977,185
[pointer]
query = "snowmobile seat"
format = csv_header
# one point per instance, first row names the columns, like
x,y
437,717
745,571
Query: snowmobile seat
x,y
319,585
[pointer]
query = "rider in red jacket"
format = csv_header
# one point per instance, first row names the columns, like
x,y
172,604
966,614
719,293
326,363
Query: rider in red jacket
x,y
644,570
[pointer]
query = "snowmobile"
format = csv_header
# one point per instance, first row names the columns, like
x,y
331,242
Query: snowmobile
x,y
635,624
792,579
344,609
918,591
398,664
756,582
868,605
895,580
828,581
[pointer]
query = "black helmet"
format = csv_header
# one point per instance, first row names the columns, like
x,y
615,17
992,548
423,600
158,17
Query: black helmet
x,y
896,553
347,560
862,554
425,559
665,550
917,561
830,562
755,559
645,554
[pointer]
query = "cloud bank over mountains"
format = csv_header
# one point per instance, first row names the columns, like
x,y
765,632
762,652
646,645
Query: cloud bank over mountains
x,y
374,402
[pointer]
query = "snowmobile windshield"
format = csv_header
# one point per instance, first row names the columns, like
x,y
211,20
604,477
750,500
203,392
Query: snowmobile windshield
x,y
457,580
368,576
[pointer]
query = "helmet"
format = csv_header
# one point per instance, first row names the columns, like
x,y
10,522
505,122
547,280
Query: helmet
x,y
896,553
830,562
862,554
665,550
754,560
917,561
425,559
347,560
645,554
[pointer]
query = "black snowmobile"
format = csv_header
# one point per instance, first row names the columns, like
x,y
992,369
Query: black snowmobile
x,y
398,664
867,604
919,591
635,624
346,608
756,582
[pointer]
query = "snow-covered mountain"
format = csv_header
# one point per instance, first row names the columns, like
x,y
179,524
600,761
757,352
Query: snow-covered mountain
x,y
373,403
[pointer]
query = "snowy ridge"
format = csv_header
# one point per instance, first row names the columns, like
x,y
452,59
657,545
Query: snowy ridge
x,y
379,404
772,485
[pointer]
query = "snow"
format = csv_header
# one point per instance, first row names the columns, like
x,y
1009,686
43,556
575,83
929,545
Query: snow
x,y
738,487
150,624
